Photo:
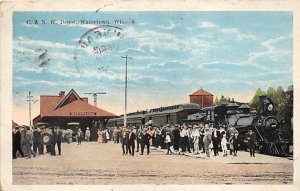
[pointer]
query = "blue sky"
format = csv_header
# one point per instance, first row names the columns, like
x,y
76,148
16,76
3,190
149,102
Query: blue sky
x,y
174,54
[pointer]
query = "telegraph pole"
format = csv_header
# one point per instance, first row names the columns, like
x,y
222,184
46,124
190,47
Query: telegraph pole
x,y
29,102
125,114
95,97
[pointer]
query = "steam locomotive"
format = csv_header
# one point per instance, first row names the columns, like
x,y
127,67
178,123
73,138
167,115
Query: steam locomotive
x,y
267,127
230,117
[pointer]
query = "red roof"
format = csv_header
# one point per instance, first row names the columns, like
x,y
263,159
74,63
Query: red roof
x,y
48,103
201,92
80,108
70,105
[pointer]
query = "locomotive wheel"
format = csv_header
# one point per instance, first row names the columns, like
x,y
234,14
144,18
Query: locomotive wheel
x,y
46,139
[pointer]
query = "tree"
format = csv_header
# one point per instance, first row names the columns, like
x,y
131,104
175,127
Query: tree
x,y
279,92
222,99
271,93
217,102
228,100
255,100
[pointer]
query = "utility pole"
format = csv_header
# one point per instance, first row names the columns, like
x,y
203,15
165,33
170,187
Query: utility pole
x,y
29,102
125,114
95,97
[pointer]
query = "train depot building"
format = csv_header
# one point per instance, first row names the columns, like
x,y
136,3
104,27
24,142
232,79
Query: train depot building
x,y
63,110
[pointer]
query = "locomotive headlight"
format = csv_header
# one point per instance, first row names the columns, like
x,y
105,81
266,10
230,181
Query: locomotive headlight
x,y
270,107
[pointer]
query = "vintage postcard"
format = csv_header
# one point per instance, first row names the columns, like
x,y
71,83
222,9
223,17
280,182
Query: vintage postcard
x,y
119,95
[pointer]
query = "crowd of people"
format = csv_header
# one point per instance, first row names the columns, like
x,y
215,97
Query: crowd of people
x,y
29,143
179,139
182,139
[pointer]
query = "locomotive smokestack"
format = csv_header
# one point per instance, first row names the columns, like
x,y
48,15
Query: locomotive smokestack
x,y
266,105
261,108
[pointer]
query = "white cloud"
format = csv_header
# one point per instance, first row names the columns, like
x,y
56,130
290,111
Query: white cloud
x,y
153,39
239,35
206,24
61,55
272,52
42,43
35,82
142,24
169,27
25,82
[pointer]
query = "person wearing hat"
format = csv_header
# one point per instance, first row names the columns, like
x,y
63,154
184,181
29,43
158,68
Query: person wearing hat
x,y
202,133
235,143
17,143
230,142
131,141
99,136
125,141
168,142
53,141
139,139
251,137
176,135
224,145
216,139
37,141
25,142
184,134
87,134
79,136
145,141
207,140
59,140
195,136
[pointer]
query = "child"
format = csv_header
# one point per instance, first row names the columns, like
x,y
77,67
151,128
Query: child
x,y
168,142
224,145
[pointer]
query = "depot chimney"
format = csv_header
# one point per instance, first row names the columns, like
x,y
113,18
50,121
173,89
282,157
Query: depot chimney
x,y
61,93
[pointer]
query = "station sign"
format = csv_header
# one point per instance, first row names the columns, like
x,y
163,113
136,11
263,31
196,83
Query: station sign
x,y
83,113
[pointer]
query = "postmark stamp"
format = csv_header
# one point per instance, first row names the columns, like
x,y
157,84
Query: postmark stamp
x,y
98,41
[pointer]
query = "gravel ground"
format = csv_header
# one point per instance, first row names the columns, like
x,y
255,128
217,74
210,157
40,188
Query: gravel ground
x,y
93,163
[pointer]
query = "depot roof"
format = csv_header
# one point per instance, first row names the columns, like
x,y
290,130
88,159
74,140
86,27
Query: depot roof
x,y
71,105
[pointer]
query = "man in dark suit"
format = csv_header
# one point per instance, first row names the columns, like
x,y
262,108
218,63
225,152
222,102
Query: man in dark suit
x,y
125,139
131,141
53,140
37,141
59,140
139,134
176,135
251,137
145,141
17,143
216,139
